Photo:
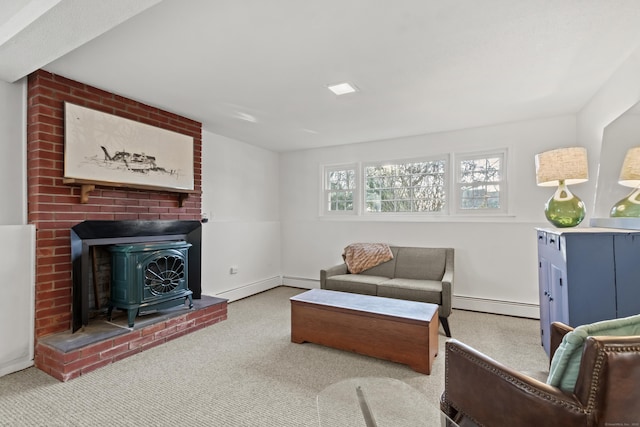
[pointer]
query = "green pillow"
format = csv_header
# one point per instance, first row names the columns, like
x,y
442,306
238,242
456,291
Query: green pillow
x,y
566,360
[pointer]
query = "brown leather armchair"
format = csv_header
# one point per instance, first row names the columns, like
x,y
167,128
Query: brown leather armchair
x,y
480,391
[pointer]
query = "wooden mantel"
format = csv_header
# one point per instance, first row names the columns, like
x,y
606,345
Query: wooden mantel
x,y
87,186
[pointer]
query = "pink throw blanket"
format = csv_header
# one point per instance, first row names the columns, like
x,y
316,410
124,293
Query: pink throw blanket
x,y
363,256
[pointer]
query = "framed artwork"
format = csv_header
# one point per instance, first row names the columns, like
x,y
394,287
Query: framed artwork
x,y
104,148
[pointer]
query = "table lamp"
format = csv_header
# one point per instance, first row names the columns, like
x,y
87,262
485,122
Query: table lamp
x,y
563,167
629,177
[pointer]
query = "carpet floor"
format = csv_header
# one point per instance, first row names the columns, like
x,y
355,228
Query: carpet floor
x,y
244,371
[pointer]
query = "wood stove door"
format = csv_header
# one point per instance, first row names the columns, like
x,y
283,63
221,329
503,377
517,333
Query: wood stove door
x,y
164,273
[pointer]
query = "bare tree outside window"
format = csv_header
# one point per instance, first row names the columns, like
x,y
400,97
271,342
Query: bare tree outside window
x,y
339,190
455,184
405,187
480,182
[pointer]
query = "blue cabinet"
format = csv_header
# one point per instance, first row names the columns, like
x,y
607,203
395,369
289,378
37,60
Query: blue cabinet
x,y
587,275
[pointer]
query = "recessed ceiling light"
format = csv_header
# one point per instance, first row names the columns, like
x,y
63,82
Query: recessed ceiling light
x,y
342,88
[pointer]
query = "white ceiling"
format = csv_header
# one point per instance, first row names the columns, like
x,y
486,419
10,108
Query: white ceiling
x,y
257,70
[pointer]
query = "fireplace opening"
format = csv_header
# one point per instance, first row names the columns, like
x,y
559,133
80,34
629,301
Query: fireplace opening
x,y
92,252
100,280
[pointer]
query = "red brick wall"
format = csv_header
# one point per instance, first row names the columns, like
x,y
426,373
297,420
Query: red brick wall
x,y
55,207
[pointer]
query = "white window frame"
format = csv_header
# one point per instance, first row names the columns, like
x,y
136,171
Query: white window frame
x,y
325,190
452,189
446,187
458,158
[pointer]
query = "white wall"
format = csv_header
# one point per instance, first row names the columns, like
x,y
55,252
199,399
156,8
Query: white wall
x,y
17,253
13,152
240,197
17,287
496,258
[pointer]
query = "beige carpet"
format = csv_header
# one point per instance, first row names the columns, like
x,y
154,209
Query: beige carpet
x,y
243,371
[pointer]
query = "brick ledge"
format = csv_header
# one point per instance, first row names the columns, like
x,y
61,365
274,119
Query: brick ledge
x,y
67,365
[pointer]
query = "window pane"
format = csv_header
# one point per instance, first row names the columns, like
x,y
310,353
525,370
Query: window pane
x,y
339,187
341,179
340,201
480,197
351,179
480,170
402,194
373,206
388,206
479,182
406,187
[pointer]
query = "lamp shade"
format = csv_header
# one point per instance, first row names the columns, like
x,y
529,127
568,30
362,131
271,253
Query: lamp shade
x,y
630,172
563,164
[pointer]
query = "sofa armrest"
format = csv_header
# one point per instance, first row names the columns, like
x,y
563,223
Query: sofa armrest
x,y
487,392
447,290
447,285
333,271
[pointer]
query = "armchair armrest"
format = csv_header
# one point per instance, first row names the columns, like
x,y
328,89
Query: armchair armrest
x,y
558,331
489,393
333,271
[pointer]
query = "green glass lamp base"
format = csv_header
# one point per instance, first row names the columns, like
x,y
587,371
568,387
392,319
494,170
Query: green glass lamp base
x,y
629,207
564,209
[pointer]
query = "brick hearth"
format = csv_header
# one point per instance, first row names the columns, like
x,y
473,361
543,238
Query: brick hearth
x,y
66,356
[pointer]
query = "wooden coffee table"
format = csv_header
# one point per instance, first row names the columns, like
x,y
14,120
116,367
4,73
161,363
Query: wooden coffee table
x,y
391,329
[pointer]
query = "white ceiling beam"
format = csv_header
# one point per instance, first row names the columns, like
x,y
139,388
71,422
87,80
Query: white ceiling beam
x,y
43,30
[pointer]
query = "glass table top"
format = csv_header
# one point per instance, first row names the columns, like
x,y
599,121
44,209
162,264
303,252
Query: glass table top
x,y
377,402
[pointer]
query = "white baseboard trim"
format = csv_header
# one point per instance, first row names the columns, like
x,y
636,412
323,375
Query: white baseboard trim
x,y
251,289
300,282
509,308
484,305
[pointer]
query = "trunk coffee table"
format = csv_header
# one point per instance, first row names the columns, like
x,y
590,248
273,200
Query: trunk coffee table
x,y
391,329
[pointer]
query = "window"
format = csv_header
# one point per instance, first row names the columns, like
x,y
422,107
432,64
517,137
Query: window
x,y
416,186
340,184
481,182
448,184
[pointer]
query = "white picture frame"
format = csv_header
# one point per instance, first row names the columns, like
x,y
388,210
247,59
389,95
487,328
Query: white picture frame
x,y
105,148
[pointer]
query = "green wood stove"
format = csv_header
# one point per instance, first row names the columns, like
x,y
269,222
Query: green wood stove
x,y
149,276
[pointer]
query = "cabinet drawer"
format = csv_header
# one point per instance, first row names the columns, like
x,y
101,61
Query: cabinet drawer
x,y
549,240
553,240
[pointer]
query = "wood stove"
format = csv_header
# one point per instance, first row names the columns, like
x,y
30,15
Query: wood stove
x,y
149,276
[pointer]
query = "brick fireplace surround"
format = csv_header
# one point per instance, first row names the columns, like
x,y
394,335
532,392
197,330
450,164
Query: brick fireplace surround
x,y
54,208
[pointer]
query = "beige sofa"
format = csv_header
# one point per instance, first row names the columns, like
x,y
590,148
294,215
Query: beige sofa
x,y
416,274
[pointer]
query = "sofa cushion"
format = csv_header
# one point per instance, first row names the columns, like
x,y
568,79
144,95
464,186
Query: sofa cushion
x,y
386,269
420,263
565,364
356,283
411,289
